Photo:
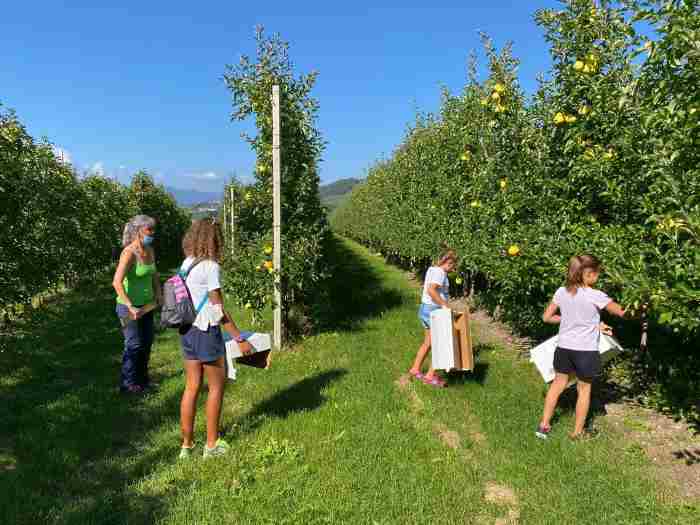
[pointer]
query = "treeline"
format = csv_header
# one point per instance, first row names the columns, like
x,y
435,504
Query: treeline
x,y
57,228
604,158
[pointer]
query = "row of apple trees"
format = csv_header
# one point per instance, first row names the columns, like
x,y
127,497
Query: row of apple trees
x,y
58,228
305,232
603,159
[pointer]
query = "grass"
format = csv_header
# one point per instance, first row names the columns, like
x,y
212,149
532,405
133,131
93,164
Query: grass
x,y
329,434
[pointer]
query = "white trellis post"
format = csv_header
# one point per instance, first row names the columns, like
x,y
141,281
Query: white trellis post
x,y
232,211
223,205
276,215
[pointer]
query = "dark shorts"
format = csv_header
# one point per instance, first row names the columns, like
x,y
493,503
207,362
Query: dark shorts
x,y
204,346
585,364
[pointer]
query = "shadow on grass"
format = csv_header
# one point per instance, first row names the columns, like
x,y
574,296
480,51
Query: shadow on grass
x,y
356,291
478,375
600,397
303,396
70,437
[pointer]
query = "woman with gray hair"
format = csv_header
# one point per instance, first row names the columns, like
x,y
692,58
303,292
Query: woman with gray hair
x,y
137,285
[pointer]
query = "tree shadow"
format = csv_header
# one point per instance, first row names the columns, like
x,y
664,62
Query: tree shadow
x,y
303,396
72,440
688,456
355,293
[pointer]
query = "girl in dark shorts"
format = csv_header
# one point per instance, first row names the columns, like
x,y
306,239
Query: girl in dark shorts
x,y
577,354
202,343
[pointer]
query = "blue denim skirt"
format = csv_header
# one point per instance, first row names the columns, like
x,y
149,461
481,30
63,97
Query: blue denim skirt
x,y
424,314
205,346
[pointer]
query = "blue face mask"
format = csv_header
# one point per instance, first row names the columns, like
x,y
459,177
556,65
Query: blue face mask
x,y
148,240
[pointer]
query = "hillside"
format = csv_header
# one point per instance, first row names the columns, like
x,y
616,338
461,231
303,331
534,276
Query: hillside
x,y
334,193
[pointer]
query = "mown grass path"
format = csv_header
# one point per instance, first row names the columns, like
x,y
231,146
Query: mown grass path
x,y
334,432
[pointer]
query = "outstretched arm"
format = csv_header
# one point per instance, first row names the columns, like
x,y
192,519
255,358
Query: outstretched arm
x,y
615,309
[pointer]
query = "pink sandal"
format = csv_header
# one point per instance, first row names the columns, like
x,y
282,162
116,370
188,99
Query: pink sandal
x,y
435,381
416,375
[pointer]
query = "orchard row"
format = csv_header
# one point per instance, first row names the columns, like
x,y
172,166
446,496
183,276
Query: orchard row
x,y
603,159
57,228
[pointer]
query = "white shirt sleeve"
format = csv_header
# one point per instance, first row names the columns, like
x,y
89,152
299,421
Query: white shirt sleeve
x,y
600,299
214,277
557,296
435,276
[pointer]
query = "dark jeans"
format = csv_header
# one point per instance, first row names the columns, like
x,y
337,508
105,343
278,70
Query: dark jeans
x,y
138,338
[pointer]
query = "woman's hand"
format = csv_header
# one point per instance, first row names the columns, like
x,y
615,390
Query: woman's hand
x,y
134,312
245,347
605,329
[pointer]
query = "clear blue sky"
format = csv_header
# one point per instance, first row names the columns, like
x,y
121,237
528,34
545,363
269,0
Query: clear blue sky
x,y
139,84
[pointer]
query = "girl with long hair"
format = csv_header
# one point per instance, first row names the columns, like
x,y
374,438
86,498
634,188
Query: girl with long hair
x,y
202,343
579,306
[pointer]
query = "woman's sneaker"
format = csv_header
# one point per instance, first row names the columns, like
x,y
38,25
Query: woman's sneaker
x,y
186,452
543,432
220,448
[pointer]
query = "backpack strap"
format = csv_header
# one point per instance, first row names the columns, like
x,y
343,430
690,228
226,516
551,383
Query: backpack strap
x,y
202,303
184,277
195,263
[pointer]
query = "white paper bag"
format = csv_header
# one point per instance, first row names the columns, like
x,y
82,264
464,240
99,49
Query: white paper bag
x,y
450,340
543,355
259,342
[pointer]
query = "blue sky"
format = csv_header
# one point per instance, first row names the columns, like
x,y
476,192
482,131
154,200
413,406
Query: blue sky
x,y
139,84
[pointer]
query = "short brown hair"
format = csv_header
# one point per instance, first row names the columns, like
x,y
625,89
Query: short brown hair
x,y
577,265
203,240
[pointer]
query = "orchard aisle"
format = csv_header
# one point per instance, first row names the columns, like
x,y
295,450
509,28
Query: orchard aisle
x,y
334,432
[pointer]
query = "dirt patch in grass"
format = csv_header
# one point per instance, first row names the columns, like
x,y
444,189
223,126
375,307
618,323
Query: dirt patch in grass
x,y
488,331
403,383
503,495
670,446
449,437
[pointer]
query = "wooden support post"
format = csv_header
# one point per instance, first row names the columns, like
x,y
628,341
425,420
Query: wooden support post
x,y
232,211
276,216
223,205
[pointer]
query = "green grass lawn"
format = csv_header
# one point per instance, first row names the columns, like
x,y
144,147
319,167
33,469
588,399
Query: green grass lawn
x,y
330,434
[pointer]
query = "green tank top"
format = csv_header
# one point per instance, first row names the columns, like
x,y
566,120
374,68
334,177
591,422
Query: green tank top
x,y
138,284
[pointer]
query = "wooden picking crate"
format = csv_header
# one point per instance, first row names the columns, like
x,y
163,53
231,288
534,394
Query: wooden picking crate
x,y
451,341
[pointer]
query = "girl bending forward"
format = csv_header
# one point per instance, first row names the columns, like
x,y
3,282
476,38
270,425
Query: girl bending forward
x,y
435,295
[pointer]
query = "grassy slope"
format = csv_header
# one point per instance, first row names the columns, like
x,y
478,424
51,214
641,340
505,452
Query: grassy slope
x,y
330,434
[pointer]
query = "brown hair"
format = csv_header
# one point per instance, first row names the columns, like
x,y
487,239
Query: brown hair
x,y
577,265
203,240
447,255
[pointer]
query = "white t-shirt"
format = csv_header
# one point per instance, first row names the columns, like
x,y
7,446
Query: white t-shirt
x,y
580,317
204,278
436,275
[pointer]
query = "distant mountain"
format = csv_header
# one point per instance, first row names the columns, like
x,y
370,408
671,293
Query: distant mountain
x,y
331,194
189,198
334,193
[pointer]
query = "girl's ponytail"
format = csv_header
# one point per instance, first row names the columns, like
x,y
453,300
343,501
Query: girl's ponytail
x,y
577,265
